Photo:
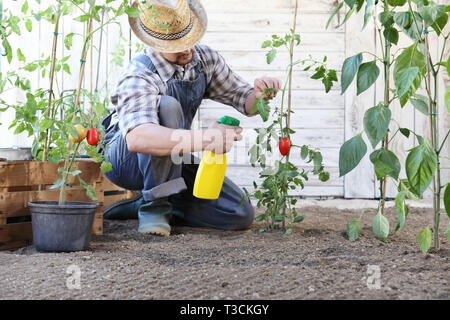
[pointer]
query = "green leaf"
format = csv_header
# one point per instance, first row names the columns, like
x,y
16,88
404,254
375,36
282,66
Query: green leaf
x,y
406,23
410,57
74,173
424,240
420,104
421,164
106,166
391,34
45,124
440,24
82,18
380,226
132,12
29,25
25,7
447,199
304,152
396,2
90,190
266,44
20,55
376,123
351,153
368,13
405,131
263,108
299,219
349,70
68,40
404,80
333,13
324,176
8,50
431,13
367,75
270,56
353,230
386,18
402,210
405,187
58,184
386,163
66,68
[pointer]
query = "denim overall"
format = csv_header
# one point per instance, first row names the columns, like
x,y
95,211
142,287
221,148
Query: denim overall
x,y
159,177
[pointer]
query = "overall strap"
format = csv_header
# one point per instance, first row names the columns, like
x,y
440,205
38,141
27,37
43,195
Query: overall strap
x,y
145,60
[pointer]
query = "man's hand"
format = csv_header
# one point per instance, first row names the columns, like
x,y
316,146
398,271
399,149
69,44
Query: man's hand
x,y
266,83
219,138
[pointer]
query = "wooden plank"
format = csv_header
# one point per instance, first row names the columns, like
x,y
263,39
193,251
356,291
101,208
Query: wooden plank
x,y
267,6
15,245
274,22
15,204
36,172
302,100
247,60
15,232
359,183
245,175
239,155
253,41
304,119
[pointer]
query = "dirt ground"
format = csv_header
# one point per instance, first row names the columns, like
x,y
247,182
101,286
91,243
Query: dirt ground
x,y
315,262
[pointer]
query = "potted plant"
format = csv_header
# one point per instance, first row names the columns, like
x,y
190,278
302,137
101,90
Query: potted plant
x,y
64,124
282,176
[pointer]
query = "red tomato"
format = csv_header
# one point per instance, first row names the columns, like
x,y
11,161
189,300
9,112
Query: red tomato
x,y
92,136
284,146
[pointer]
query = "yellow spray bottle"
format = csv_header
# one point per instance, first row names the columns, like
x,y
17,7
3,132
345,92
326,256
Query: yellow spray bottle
x,y
211,171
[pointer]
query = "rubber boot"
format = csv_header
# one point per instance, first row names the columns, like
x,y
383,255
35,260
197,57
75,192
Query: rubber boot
x,y
124,209
154,217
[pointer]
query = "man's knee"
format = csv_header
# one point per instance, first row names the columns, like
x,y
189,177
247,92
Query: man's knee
x,y
245,214
170,113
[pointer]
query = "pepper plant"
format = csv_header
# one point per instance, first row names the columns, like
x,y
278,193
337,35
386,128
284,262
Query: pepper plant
x,y
411,68
283,176
58,119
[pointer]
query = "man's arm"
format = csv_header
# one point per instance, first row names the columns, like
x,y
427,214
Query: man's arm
x,y
154,139
259,86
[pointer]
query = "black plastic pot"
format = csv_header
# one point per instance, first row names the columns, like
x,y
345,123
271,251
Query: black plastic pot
x,y
62,228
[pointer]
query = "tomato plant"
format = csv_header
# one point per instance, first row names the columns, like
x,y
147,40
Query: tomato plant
x,y
281,177
411,68
57,119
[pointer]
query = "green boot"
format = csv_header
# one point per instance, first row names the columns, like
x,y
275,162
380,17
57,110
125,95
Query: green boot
x,y
154,217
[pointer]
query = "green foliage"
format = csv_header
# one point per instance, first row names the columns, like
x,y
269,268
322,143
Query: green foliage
x,y
380,226
376,123
349,70
353,230
351,153
421,164
277,179
424,240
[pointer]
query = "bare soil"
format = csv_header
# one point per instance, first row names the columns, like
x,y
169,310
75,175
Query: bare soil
x,y
315,262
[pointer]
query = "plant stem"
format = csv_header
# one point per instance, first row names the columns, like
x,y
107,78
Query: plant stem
x,y
387,69
52,73
432,108
62,194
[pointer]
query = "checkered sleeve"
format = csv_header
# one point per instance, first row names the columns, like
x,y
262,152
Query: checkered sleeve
x,y
225,86
137,99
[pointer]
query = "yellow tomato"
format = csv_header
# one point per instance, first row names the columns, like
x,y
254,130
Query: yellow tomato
x,y
82,133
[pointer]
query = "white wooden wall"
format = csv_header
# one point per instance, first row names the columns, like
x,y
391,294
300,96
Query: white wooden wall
x,y
237,29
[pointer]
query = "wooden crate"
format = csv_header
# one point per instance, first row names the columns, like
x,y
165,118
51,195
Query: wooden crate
x,y
24,181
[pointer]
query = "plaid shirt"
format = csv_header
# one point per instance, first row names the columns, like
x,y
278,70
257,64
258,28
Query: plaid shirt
x,y
139,90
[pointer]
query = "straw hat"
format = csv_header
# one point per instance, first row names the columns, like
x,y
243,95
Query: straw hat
x,y
185,22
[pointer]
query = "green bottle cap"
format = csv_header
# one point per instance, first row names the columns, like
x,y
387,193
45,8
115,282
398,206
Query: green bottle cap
x,y
230,121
